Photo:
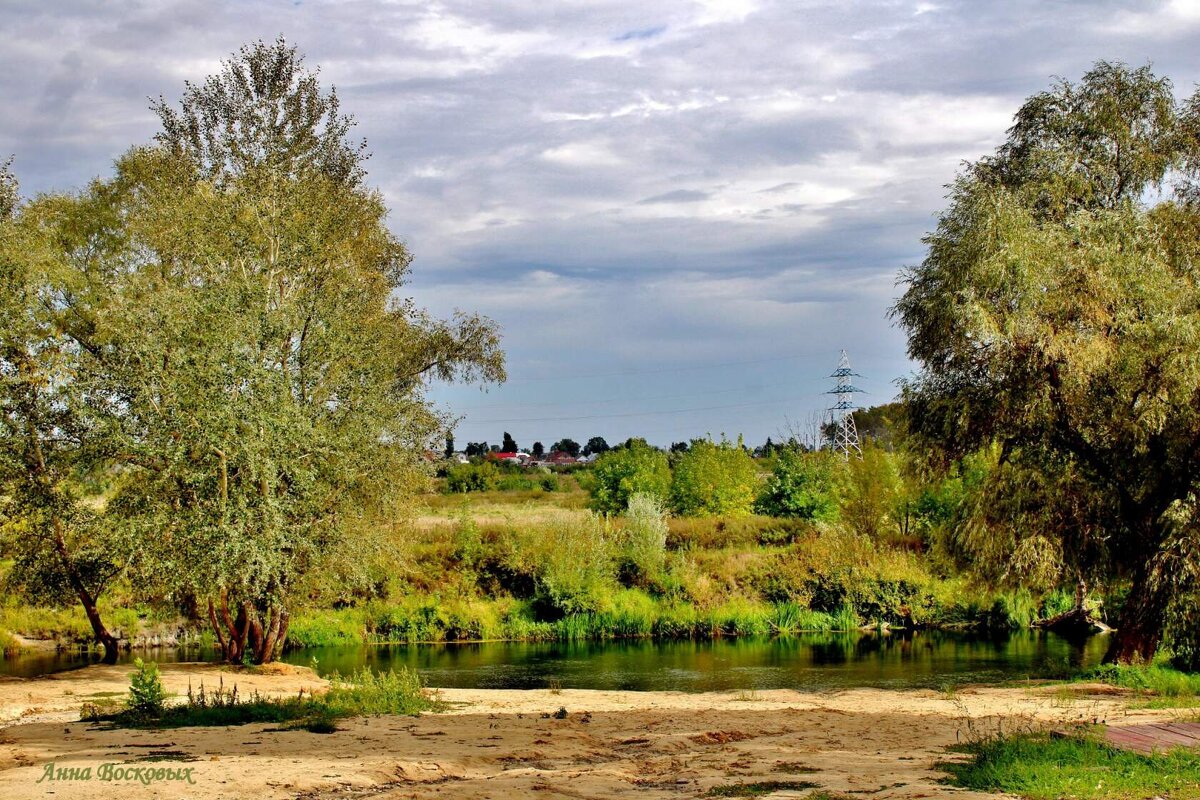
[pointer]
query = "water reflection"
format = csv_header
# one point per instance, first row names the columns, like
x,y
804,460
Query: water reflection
x,y
930,659
923,659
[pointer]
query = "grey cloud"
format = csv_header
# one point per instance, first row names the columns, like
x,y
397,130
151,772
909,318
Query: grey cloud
x,y
684,187
677,196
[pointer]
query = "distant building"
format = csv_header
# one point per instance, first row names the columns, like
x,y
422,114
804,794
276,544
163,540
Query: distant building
x,y
559,458
513,458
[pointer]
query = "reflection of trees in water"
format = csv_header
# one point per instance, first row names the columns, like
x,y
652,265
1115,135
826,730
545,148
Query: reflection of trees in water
x,y
837,649
809,660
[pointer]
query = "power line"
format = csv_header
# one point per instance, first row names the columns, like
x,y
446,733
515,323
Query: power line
x,y
633,414
621,399
660,371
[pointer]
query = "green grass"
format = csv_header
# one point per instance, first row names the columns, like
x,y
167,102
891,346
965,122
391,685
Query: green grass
x,y
1163,686
1041,767
362,694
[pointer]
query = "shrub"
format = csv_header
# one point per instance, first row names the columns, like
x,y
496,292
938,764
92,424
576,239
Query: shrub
x,y
463,478
328,627
396,691
801,485
870,493
619,474
1183,632
575,573
714,479
147,697
644,542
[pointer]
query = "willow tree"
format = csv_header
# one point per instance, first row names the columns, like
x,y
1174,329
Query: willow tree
x,y
1056,317
271,421
55,443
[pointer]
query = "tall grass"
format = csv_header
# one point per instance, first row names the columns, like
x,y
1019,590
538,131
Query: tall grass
x,y
364,693
1158,680
1042,767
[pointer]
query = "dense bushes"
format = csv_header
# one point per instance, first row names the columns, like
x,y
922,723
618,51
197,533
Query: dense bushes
x,y
573,575
714,479
801,485
473,477
621,473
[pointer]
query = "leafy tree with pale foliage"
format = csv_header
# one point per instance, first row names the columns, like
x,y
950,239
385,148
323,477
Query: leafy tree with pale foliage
x,y
802,484
238,301
55,438
714,479
1057,317
624,472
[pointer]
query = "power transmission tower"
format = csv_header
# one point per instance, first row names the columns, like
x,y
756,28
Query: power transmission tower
x,y
843,434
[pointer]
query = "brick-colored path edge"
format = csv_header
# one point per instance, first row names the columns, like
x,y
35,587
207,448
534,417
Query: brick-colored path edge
x,y
1155,738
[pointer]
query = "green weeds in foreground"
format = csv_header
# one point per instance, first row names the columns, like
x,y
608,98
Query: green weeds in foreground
x,y
363,694
1041,767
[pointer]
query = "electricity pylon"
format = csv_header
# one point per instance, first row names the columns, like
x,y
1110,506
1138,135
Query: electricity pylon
x,y
843,434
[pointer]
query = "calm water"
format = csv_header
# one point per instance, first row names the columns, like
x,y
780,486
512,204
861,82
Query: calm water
x,y
919,660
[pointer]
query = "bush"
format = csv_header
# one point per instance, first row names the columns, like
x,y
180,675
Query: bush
x,y
871,493
575,573
714,479
801,485
1183,632
396,691
147,697
644,543
619,474
463,478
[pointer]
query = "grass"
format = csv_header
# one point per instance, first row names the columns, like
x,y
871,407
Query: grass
x,y
1161,686
758,789
1041,767
10,646
363,694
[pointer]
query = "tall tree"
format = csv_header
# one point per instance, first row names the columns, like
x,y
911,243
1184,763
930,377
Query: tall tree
x,y
595,446
509,445
1056,315
269,413
568,446
54,436
538,450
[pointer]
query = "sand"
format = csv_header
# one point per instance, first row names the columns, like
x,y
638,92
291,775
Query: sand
x,y
508,744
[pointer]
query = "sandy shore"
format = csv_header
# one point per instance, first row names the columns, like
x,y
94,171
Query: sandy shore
x,y
508,744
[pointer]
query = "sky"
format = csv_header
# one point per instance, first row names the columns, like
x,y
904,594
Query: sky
x,y
678,213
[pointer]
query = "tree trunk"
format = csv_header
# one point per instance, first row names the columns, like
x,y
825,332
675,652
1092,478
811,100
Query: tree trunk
x,y
1140,627
99,632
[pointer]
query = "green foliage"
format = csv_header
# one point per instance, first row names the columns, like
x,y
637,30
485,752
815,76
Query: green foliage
x,y
802,485
1183,632
576,570
714,479
482,477
871,493
1044,767
147,697
1054,315
568,446
1159,680
619,474
362,694
225,401
370,693
643,543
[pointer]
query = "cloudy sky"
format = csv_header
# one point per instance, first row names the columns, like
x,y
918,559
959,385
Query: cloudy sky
x,y
678,212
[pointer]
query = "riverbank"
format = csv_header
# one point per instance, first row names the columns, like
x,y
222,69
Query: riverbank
x,y
557,743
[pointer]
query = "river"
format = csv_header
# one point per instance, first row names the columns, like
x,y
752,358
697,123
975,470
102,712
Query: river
x,y
926,659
